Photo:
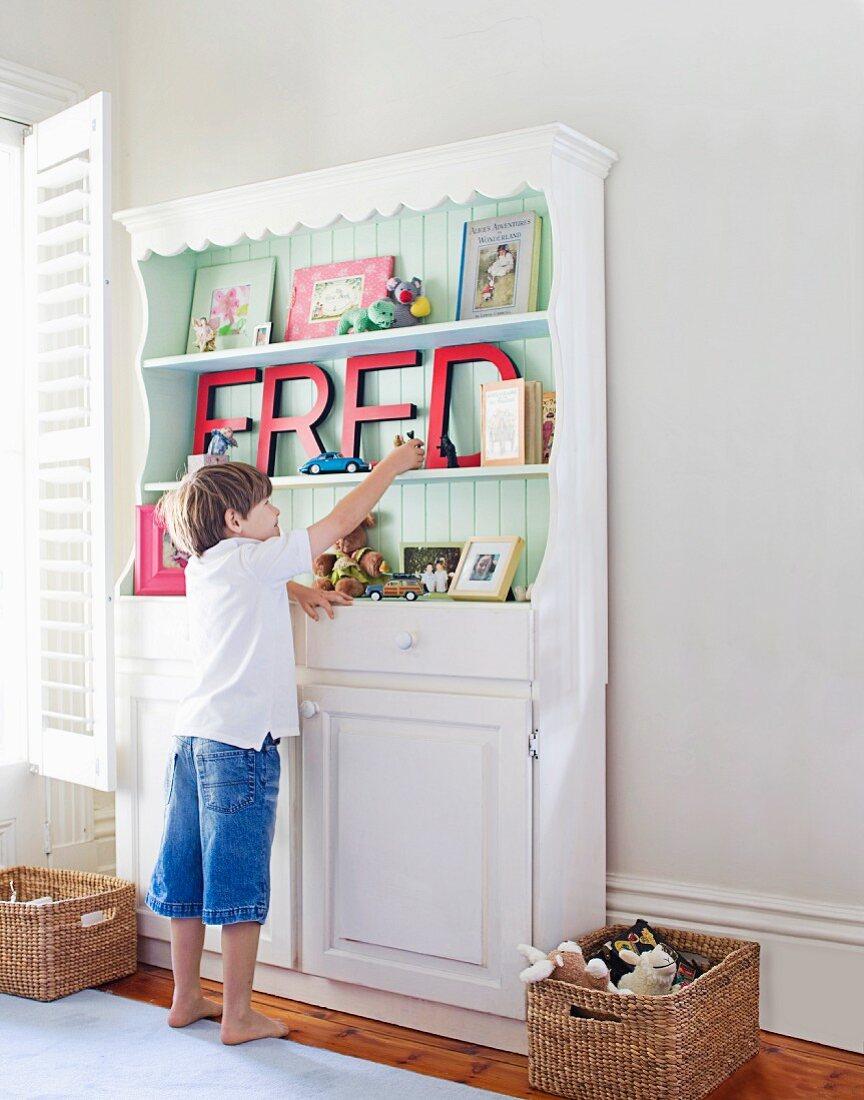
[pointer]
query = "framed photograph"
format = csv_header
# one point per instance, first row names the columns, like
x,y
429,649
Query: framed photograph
x,y
434,562
320,295
234,298
500,266
486,568
159,564
261,334
502,428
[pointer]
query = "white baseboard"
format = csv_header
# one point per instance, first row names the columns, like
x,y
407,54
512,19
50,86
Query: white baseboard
x,y
811,963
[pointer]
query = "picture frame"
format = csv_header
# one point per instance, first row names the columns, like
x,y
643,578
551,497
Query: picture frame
x,y
234,298
159,565
261,334
431,560
502,426
320,295
487,567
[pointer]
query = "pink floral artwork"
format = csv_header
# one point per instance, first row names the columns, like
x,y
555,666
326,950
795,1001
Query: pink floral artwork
x,y
321,295
229,309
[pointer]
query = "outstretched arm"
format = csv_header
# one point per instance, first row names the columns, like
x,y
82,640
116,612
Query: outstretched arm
x,y
310,599
351,510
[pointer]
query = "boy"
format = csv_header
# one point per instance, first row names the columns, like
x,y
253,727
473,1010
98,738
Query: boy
x,y
223,776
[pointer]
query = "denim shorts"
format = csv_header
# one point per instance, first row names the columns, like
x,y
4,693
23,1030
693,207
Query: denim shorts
x,y
220,817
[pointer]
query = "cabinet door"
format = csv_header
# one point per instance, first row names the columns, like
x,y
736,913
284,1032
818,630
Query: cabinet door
x,y
146,705
416,843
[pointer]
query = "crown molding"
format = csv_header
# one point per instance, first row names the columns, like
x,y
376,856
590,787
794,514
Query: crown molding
x,y
28,96
498,165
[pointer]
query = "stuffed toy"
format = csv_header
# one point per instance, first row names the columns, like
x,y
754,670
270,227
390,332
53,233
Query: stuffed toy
x,y
377,315
566,964
353,566
411,306
653,974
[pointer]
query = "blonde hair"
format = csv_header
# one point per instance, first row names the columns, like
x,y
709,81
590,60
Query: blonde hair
x,y
194,512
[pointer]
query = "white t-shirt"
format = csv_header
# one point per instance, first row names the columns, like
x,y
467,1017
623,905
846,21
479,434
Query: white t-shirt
x,y
242,647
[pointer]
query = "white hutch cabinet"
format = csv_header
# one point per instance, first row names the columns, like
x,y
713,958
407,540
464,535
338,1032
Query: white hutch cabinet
x,y
446,798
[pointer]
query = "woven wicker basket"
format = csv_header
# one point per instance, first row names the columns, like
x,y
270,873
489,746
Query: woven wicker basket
x,y
602,1046
46,951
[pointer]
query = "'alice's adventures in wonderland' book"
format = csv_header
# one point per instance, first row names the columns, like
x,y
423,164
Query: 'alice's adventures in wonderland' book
x,y
500,266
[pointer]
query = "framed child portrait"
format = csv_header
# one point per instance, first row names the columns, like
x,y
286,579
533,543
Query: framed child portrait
x,y
486,568
159,565
234,298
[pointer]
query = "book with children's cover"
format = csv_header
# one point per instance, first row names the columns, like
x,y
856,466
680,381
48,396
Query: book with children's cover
x,y
500,266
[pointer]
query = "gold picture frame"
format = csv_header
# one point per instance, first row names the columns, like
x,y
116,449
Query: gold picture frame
x,y
486,568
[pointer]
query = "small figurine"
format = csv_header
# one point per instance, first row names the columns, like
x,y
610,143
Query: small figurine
x,y
447,450
205,337
220,440
398,441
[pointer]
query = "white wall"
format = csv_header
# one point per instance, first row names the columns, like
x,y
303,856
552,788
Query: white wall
x,y
736,392
736,339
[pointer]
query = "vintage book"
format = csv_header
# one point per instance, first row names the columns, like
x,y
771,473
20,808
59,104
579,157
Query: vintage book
x,y
502,428
533,423
548,425
500,266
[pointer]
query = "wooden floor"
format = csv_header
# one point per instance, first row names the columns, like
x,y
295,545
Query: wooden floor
x,y
785,1069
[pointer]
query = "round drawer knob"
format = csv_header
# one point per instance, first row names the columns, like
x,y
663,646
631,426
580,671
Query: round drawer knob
x,y
405,640
308,709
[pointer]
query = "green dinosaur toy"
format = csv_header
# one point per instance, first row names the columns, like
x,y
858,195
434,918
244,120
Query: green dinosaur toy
x,y
377,315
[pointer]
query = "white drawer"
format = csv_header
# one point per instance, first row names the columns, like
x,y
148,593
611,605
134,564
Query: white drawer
x,y
427,639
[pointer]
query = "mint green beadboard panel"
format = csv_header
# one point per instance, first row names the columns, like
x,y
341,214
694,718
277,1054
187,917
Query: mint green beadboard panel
x,y
428,245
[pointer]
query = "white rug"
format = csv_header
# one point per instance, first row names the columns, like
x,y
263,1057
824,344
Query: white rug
x,y
94,1044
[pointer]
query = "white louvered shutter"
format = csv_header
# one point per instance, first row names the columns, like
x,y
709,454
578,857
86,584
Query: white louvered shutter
x,y
68,446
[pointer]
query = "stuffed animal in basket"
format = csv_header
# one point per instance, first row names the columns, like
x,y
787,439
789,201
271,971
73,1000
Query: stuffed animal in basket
x,y
566,964
353,566
653,974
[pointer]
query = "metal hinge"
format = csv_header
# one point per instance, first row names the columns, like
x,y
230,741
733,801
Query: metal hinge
x,y
46,837
533,751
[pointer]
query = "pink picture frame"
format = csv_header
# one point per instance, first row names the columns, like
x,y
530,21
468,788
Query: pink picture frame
x,y
320,295
159,567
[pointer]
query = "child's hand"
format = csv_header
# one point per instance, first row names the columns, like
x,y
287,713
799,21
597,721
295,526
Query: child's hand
x,y
312,598
408,456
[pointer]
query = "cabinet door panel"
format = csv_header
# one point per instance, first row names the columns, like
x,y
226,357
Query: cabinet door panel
x,y
416,849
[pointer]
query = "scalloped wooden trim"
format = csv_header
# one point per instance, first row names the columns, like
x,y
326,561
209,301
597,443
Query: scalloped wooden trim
x,y
498,166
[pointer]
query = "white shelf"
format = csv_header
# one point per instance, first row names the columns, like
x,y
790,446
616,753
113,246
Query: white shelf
x,y
318,481
514,326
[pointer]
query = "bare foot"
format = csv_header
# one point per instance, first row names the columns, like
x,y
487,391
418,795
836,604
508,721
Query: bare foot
x,y
187,1012
252,1026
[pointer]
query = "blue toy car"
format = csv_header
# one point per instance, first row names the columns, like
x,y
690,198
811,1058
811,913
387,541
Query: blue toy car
x,y
332,462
